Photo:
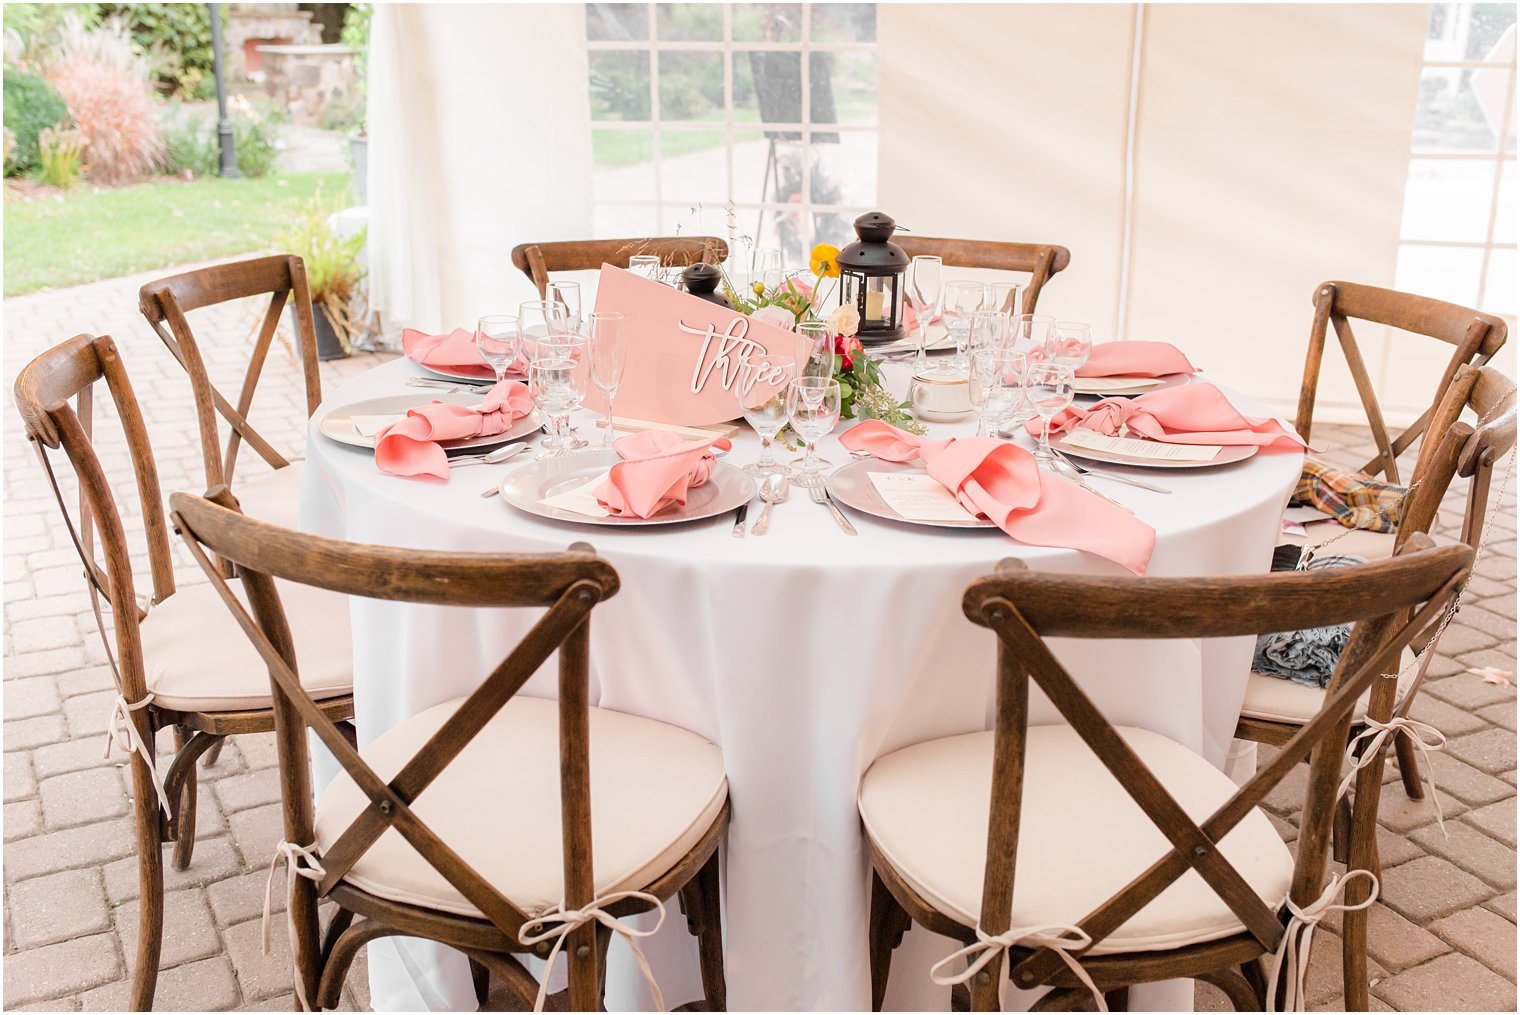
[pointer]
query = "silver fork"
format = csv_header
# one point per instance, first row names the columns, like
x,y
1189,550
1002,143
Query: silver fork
x,y
821,496
1083,470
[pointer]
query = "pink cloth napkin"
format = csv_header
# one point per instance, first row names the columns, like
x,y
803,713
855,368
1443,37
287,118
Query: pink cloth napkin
x,y
1192,414
454,352
1001,481
1135,359
410,447
659,468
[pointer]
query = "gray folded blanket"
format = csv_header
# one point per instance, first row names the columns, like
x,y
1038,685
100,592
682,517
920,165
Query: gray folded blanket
x,y
1309,656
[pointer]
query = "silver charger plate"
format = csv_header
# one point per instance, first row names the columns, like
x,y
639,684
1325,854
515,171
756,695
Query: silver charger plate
x,y
851,486
1228,455
526,487
337,424
939,341
1167,381
484,374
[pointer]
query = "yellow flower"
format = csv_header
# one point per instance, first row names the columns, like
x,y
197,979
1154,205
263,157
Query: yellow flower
x,y
825,261
759,288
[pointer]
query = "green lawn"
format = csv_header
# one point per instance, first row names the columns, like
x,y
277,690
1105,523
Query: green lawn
x,y
54,239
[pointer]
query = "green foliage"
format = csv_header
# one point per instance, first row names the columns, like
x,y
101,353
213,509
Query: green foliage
x,y
355,35
32,30
177,39
190,147
333,269
31,105
254,133
58,155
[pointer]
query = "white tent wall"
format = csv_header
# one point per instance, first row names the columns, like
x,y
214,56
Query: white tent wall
x,y
1271,144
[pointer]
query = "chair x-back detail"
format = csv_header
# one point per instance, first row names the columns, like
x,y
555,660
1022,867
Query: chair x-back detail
x,y
165,304
537,260
170,659
1474,336
473,823
1089,908
1041,261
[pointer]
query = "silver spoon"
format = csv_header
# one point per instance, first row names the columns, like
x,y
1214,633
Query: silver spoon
x,y
773,492
499,455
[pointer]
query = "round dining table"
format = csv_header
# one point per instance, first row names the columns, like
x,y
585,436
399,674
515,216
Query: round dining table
x,y
805,654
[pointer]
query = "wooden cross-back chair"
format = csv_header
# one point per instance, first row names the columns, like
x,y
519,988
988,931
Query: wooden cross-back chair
x,y
173,653
1040,261
166,302
1276,709
1473,335
495,799
1092,858
537,260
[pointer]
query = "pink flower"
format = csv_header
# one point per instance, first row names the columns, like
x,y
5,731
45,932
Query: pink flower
x,y
779,317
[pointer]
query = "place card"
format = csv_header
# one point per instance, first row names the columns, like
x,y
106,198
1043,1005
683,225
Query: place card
x,y
697,433
919,497
1130,447
580,499
1104,385
368,426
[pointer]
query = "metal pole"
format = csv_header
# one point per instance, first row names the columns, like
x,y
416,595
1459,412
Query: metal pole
x,y
229,167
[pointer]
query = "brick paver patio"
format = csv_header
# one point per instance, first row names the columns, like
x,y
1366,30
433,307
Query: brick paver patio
x,y
1442,938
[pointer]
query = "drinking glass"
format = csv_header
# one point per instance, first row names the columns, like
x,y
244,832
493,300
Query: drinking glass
x,y
925,291
989,330
1026,336
608,351
1069,343
989,388
647,265
1050,391
820,349
768,268
497,340
568,293
538,319
812,407
557,380
1005,297
962,299
1018,411
763,384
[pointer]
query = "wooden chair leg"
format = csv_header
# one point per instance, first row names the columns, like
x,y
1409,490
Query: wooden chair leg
x,y
1409,766
1340,830
1236,986
1117,999
888,923
150,884
701,898
482,982
184,840
214,754
1364,855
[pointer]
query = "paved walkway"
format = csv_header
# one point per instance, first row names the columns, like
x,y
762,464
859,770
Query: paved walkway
x,y
1443,939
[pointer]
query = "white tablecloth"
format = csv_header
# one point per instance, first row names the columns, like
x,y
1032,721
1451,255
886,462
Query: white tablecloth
x,y
804,654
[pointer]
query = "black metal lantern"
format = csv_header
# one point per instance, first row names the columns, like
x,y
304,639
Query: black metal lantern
x,y
702,280
871,275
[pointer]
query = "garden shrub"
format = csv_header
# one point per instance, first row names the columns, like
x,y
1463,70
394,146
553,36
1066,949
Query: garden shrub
x,y
177,41
58,151
190,147
31,105
103,80
255,133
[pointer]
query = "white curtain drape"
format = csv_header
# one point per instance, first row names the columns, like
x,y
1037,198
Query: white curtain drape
x,y
479,139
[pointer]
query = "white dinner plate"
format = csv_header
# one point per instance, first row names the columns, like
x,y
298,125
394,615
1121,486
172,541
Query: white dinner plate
x,y
526,487
338,424
940,340
1144,386
484,373
1228,455
851,486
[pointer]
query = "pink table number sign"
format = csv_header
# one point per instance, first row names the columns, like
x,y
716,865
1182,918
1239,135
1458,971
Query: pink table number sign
x,y
686,359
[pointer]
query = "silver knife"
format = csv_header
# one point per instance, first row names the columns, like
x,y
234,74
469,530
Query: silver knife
x,y
739,517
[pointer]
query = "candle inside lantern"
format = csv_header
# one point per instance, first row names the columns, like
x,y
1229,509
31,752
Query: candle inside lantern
x,y
874,300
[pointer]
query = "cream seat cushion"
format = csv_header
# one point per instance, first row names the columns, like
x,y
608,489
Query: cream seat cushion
x,y
272,497
198,659
1281,700
1354,542
1081,838
656,790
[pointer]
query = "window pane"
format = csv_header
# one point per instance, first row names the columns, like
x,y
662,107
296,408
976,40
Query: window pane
x,y
1447,200
693,167
844,23
691,86
1504,224
1445,273
1450,117
689,22
619,85
622,165
768,22
617,22
845,173
768,87
1486,29
1499,291
851,81
1467,31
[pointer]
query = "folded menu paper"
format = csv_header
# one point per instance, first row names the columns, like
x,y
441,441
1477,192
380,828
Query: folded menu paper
x,y
1129,447
919,497
368,426
1103,385
702,433
580,498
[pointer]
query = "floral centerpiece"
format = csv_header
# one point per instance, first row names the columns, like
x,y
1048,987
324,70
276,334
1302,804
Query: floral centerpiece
x,y
795,300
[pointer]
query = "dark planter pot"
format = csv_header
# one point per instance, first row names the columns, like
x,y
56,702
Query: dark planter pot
x,y
328,344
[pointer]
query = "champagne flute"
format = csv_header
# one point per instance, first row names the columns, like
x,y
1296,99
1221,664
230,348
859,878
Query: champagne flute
x,y
647,265
496,339
925,291
1050,391
608,352
763,384
768,268
962,299
812,407
1069,343
568,293
819,345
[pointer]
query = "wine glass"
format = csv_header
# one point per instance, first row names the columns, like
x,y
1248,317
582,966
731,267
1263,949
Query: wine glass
x,y
925,291
538,319
1069,343
989,330
989,391
647,265
1050,391
763,383
1005,297
1018,411
768,268
812,407
962,299
820,349
568,293
496,339
608,351
557,380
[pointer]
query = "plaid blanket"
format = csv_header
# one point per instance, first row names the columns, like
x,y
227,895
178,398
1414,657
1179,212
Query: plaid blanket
x,y
1356,500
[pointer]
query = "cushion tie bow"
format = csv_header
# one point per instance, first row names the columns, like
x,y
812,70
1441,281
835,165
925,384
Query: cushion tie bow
x,y
1377,734
121,732
302,861
558,924
1060,939
1290,966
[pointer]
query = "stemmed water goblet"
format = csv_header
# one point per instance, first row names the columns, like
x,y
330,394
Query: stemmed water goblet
x,y
1069,343
812,408
608,352
1005,297
557,376
925,292
763,384
818,346
497,341
989,330
991,388
568,293
962,299
1026,340
538,319
1049,387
